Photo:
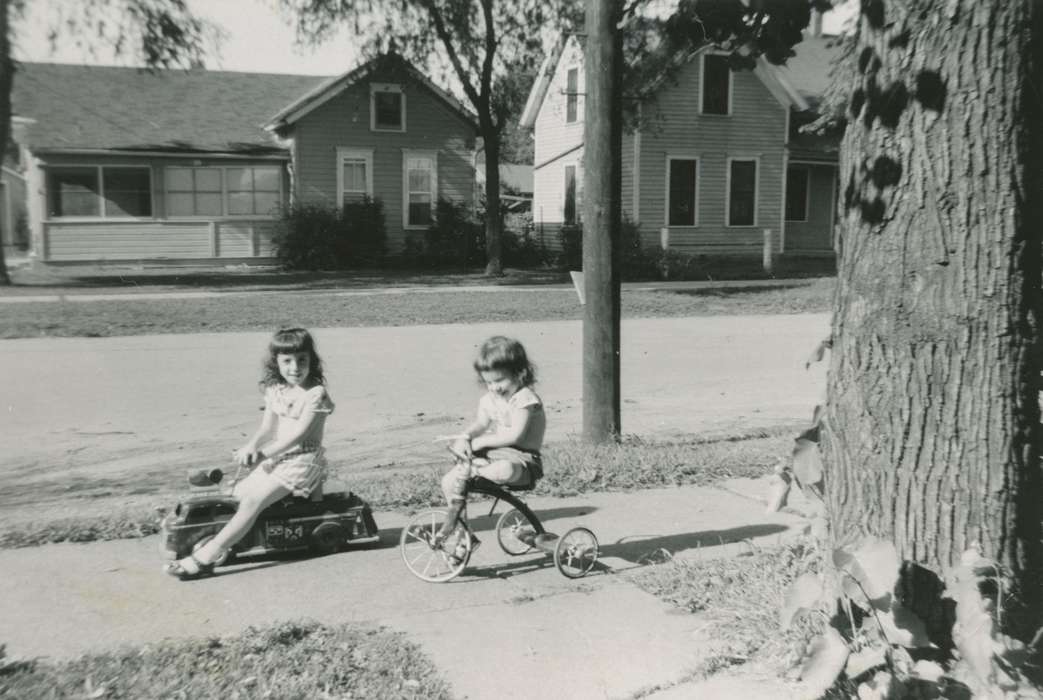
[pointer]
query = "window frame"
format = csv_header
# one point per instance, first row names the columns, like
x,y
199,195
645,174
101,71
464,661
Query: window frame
x,y
572,96
222,169
695,198
343,154
756,190
433,157
99,174
702,85
807,192
375,88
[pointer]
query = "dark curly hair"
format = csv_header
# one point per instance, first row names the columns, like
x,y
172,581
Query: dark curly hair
x,y
288,341
505,355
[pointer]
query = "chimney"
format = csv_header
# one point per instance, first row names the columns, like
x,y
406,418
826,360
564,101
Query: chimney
x,y
815,27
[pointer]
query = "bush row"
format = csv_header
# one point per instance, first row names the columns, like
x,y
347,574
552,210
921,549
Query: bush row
x,y
313,237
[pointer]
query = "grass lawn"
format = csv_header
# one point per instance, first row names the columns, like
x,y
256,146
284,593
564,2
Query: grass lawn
x,y
300,659
261,310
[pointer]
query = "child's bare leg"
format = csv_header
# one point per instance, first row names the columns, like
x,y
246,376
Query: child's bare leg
x,y
501,471
256,492
454,488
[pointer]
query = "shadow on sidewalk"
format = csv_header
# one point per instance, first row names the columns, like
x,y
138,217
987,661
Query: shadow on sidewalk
x,y
640,550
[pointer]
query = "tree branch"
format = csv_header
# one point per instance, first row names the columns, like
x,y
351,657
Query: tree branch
x,y
454,57
490,53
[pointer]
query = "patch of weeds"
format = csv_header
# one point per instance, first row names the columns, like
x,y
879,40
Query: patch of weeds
x,y
300,659
740,599
572,468
107,526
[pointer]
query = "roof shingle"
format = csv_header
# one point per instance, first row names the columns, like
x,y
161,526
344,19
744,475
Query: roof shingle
x,y
106,107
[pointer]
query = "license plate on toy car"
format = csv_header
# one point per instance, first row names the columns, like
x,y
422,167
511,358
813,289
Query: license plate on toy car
x,y
281,532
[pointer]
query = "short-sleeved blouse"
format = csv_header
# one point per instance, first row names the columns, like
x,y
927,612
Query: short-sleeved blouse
x,y
290,406
497,411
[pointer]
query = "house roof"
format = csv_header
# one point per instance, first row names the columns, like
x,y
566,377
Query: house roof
x,y
517,177
809,70
77,107
330,88
799,83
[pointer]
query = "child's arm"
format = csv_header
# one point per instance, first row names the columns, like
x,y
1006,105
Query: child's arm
x,y
248,453
309,418
506,436
465,445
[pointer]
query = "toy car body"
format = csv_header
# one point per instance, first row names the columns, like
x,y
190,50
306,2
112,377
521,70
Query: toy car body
x,y
323,525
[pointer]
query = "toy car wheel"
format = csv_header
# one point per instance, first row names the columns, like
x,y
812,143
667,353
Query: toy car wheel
x,y
327,538
515,533
221,560
576,552
427,559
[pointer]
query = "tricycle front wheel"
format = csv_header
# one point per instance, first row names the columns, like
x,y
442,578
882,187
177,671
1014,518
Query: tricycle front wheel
x,y
576,552
427,559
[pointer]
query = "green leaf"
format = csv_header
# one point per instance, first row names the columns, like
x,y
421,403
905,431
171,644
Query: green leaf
x,y
803,594
865,660
807,462
903,627
871,569
828,656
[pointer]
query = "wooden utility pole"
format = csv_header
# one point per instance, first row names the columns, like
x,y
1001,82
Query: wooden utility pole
x,y
602,172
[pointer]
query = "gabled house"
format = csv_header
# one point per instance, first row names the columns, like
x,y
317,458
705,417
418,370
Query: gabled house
x,y
716,161
125,164
383,130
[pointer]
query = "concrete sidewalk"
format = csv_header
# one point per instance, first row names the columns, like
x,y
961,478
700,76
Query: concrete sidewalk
x,y
506,628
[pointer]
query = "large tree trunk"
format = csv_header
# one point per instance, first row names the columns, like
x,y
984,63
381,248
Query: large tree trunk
x,y
493,223
6,84
933,421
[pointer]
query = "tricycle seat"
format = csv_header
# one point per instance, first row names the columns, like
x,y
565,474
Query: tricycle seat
x,y
483,485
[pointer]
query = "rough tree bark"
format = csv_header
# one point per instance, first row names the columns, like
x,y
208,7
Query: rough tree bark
x,y
932,434
6,83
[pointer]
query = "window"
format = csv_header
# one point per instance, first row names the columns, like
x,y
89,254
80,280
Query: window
x,y
252,190
420,179
569,209
681,204
194,192
231,191
354,175
572,95
742,193
387,108
100,191
796,193
716,84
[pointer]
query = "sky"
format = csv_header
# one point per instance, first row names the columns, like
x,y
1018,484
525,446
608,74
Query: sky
x,y
259,39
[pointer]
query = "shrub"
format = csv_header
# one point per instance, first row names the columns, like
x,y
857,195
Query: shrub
x,y
364,239
319,237
305,237
571,238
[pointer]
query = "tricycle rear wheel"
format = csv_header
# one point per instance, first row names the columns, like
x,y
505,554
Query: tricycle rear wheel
x,y
576,552
515,533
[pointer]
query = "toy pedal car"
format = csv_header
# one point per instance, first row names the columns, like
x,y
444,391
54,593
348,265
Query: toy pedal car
x,y
323,525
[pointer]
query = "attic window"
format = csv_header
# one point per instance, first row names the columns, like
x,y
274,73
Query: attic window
x,y
716,84
387,107
571,95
